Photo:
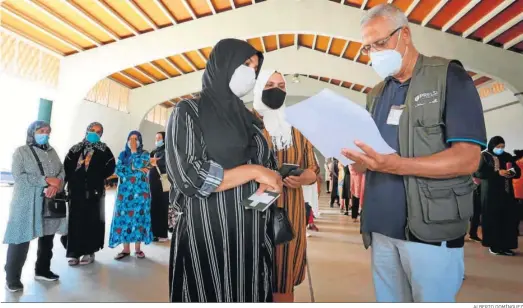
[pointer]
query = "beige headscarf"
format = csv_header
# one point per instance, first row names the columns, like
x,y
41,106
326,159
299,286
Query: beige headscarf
x,y
274,120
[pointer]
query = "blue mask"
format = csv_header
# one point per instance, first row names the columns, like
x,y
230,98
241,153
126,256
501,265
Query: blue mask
x,y
159,143
92,137
498,151
386,62
41,139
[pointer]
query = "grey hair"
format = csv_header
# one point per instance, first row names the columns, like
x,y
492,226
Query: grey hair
x,y
389,11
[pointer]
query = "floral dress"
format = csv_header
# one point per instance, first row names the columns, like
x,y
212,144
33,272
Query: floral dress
x,y
132,212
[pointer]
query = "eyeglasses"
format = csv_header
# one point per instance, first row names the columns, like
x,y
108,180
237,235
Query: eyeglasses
x,y
378,45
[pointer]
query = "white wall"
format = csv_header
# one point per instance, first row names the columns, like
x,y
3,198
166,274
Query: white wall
x,y
506,122
149,130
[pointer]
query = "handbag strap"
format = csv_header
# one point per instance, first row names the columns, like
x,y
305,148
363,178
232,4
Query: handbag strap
x,y
159,172
37,160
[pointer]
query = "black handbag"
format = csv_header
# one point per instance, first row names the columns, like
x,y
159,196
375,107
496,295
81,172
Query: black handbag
x,y
283,231
52,207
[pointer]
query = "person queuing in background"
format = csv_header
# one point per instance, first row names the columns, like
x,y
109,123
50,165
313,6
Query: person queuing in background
x,y
518,188
159,198
356,188
429,111
26,221
87,165
291,147
475,220
335,197
346,191
499,221
328,174
217,157
132,210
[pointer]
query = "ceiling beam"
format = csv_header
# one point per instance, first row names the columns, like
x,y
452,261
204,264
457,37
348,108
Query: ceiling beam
x,y
509,24
142,14
411,7
202,56
314,41
263,44
184,57
159,69
433,12
131,78
117,16
189,9
91,20
174,66
344,48
165,11
503,5
460,14
144,73
329,45
211,6
277,41
364,4
233,5
513,41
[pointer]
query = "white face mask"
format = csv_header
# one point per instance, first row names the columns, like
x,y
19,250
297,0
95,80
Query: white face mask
x,y
242,81
386,62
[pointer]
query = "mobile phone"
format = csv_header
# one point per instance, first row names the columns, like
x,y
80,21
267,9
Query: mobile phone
x,y
290,170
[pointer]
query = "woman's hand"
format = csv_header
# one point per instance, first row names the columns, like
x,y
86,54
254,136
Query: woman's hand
x,y
144,170
51,191
269,180
292,182
153,161
56,182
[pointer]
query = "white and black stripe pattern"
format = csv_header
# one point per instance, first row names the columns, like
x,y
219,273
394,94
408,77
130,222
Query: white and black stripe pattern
x,y
220,252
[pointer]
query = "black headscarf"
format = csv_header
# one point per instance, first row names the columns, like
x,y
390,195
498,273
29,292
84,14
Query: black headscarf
x,y
30,139
163,137
494,142
226,123
88,146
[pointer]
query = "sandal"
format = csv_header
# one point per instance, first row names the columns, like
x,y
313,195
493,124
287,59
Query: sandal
x,y
88,259
140,254
122,255
73,262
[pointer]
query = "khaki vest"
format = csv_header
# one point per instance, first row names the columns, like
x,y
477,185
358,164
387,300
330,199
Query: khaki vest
x,y
437,210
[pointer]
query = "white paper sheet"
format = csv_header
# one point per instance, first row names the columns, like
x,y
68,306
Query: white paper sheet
x,y
332,122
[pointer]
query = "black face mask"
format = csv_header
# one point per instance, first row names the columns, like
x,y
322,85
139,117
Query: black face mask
x,y
274,97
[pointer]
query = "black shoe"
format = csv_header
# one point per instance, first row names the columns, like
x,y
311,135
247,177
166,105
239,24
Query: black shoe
x,y
497,252
475,238
509,252
346,213
155,239
14,286
49,276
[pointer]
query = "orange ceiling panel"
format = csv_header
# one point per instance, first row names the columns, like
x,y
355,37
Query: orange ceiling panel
x,y
242,3
136,74
322,42
167,67
355,3
364,58
64,12
33,34
286,40
336,82
373,3
471,74
270,43
124,9
422,10
177,10
510,34
337,46
306,40
346,84
402,4
28,12
357,87
206,52
152,71
447,12
367,90
181,63
324,79
92,8
154,12
195,58
499,20
352,50
221,5
256,43
481,9
314,77
481,80
200,7
124,81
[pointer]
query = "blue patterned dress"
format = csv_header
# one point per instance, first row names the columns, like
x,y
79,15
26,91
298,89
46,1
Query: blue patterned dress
x,y
132,211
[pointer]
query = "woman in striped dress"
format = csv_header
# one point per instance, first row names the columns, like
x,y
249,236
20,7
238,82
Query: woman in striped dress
x,y
290,147
217,157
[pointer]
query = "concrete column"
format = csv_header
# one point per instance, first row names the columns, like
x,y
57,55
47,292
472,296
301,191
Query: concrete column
x,y
45,109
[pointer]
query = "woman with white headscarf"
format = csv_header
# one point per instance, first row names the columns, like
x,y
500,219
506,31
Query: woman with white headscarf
x,y
290,147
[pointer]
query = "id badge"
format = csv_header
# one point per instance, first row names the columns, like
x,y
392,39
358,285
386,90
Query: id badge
x,y
395,115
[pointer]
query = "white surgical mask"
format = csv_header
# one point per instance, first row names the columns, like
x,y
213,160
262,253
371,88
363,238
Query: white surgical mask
x,y
386,62
242,81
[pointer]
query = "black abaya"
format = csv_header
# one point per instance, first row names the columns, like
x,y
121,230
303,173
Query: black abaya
x,y
159,198
499,219
86,188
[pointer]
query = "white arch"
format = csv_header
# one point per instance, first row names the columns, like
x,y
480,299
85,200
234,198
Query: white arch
x,y
81,71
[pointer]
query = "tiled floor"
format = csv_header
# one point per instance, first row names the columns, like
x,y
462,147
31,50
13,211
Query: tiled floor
x,y
340,270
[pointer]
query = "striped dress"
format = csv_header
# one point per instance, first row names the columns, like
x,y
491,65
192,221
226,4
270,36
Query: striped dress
x,y
290,257
220,251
